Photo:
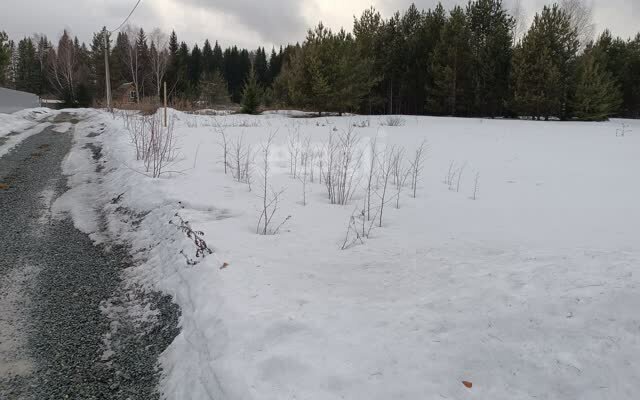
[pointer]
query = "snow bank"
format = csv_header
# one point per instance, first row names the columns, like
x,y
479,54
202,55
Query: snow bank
x,y
529,291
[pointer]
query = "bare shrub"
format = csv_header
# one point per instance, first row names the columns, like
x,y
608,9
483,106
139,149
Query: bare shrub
x,y
161,146
270,198
306,159
392,120
241,160
476,186
417,165
344,159
400,174
386,164
371,176
293,147
623,129
460,171
154,143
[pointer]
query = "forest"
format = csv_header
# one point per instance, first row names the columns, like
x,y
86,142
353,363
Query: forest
x,y
473,61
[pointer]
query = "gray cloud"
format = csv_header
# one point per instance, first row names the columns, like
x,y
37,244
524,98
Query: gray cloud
x,y
244,22
275,21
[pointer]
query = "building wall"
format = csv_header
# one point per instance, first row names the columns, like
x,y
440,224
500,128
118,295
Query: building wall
x,y
14,100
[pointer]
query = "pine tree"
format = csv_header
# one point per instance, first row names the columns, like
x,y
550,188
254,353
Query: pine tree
x,y
251,94
451,88
491,30
207,60
5,56
597,95
543,66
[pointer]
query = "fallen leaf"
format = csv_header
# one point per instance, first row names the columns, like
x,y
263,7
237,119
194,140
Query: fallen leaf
x,y
224,265
467,384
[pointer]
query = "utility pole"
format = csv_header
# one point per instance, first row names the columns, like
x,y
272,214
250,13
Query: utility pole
x,y
107,76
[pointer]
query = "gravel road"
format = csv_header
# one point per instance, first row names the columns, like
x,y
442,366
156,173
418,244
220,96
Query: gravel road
x,y
68,324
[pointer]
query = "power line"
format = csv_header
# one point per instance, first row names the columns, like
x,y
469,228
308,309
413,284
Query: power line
x,y
126,19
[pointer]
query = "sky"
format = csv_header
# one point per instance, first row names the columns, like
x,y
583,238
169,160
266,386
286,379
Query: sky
x,y
247,23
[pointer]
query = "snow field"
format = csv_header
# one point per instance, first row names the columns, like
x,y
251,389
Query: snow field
x,y
529,291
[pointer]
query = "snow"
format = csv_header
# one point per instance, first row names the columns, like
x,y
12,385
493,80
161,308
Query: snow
x,y
16,127
529,291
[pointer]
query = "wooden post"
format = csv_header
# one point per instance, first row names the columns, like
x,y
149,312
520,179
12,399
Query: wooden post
x,y
165,104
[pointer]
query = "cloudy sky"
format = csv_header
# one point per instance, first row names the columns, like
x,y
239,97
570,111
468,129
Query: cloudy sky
x,y
248,23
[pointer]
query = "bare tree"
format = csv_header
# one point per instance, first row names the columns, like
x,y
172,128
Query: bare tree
x,y
580,13
63,67
161,146
159,58
133,60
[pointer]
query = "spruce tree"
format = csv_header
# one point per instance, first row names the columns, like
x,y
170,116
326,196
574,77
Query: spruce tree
x,y
251,94
261,67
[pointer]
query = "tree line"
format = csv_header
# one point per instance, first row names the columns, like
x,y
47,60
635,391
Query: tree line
x,y
476,60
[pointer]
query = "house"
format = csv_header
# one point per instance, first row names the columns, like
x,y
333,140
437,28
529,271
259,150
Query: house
x,y
124,94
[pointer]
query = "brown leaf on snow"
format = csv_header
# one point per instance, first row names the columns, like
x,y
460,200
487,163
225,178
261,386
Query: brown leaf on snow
x,y
224,265
467,384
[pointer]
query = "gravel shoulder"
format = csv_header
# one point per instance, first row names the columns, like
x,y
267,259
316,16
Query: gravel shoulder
x,y
70,327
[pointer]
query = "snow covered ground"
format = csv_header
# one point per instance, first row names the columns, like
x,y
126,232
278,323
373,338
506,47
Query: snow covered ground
x,y
529,291
16,127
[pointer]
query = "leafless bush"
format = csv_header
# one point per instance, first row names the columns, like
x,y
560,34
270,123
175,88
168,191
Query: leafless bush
x,y
371,176
249,123
386,163
392,120
224,144
161,146
416,166
343,163
451,174
154,143
293,146
460,171
476,186
241,160
270,198
362,124
400,174
623,129
358,228
306,160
